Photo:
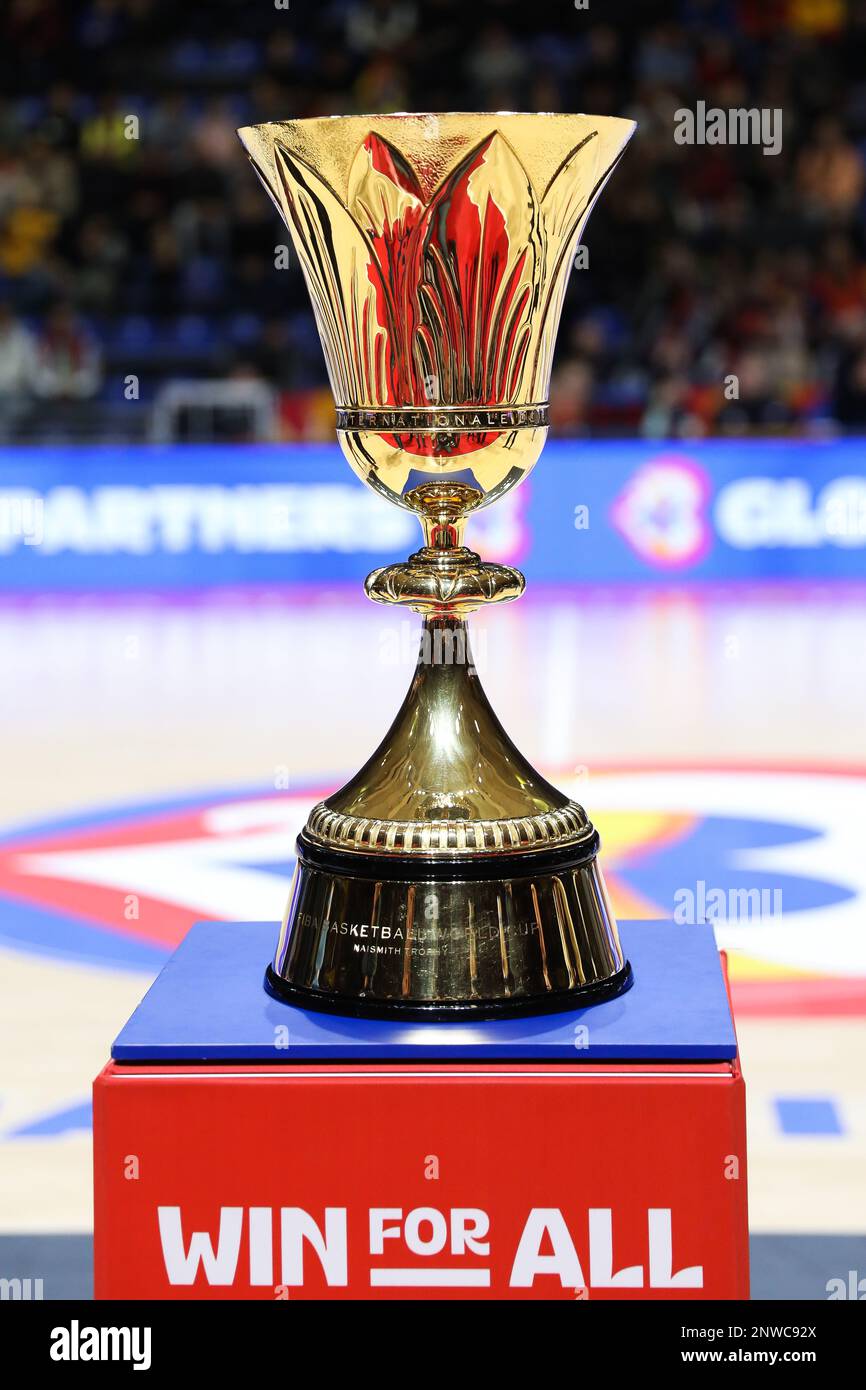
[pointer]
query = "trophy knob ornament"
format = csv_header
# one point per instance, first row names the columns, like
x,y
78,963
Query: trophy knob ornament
x,y
448,879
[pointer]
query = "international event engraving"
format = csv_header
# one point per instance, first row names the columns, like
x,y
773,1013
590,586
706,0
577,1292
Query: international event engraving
x,y
420,421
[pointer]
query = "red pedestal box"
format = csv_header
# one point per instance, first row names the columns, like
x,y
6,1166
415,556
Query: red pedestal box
x,y
392,1182
377,1179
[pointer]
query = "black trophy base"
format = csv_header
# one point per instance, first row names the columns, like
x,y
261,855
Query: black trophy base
x,y
463,937
454,1011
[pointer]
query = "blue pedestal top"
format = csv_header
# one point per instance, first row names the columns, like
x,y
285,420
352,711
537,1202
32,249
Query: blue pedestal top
x,y
209,1005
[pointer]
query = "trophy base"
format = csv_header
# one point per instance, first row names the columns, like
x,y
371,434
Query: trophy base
x,y
463,1010
471,937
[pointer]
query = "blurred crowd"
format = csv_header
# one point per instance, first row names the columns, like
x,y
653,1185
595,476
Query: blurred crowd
x,y
724,291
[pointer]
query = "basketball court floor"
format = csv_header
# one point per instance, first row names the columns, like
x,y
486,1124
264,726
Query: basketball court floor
x,y
161,753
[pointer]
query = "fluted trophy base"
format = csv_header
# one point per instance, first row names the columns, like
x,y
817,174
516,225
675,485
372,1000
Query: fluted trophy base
x,y
438,939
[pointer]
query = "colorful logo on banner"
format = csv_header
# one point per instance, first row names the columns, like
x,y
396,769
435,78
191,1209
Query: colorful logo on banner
x,y
662,512
771,858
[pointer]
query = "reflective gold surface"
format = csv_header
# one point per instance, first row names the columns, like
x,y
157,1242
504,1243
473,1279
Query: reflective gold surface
x,y
437,249
446,777
398,947
447,875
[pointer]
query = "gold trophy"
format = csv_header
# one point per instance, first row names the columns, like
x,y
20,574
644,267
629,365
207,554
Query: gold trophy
x,y
447,879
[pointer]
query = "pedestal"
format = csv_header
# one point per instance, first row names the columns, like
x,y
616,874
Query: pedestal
x,y
247,1149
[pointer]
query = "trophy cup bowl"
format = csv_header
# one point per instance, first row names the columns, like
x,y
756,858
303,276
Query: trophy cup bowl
x,y
447,879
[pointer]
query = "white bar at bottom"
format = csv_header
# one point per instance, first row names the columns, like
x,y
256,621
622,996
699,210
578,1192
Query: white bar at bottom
x,y
430,1278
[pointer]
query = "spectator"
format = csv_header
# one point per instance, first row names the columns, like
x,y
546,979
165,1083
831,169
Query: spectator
x,y
67,364
839,285
850,395
214,136
17,370
60,125
669,414
570,395
830,174
759,404
109,136
100,253
496,65
379,26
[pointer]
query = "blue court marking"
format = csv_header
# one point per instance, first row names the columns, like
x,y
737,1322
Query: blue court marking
x,y
808,1115
71,1117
